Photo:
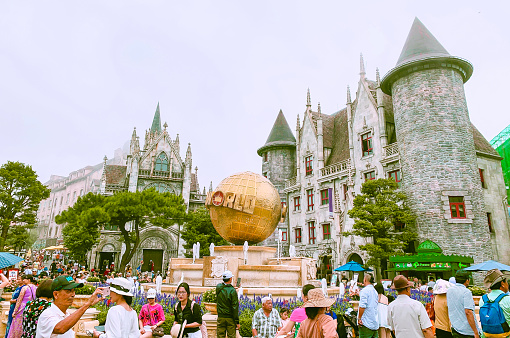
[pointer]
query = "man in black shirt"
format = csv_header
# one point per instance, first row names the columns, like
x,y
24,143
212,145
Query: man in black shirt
x,y
228,307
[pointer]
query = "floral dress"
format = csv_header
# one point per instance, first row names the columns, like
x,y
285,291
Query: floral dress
x,y
31,315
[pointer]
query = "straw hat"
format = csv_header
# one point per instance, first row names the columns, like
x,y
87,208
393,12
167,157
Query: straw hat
x,y
316,299
492,277
400,282
441,287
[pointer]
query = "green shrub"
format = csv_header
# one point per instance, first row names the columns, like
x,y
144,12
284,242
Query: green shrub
x,y
85,290
209,296
101,316
477,291
245,320
169,322
93,280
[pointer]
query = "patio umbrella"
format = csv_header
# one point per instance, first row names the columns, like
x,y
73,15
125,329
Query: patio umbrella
x,y
352,266
7,259
488,265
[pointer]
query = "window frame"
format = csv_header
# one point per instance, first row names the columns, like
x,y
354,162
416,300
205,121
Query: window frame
x,y
297,206
308,165
310,200
482,177
265,156
311,231
326,235
325,200
397,178
284,235
298,234
457,206
489,222
162,161
371,177
367,148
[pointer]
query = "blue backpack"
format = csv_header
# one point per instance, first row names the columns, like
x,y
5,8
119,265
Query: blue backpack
x,y
492,317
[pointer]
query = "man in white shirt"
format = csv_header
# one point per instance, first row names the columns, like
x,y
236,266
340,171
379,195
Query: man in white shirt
x,y
55,321
407,317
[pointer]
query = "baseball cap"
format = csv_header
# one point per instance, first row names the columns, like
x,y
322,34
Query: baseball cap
x,y
227,274
64,282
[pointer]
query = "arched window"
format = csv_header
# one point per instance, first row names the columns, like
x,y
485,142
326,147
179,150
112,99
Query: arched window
x,y
162,162
160,187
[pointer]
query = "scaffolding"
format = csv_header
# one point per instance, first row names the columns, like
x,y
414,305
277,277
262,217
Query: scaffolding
x,y
501,138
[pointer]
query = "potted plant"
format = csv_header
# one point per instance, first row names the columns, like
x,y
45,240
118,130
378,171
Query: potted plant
x,y
82,294
209,300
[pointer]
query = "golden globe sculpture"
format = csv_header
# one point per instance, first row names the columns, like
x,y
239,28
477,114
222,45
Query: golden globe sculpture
x,y
245,207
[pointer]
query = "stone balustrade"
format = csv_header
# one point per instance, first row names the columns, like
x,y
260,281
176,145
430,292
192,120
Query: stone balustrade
x,y
391,149
335,168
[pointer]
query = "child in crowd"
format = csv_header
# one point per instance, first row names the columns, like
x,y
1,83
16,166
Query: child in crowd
x,y
284,315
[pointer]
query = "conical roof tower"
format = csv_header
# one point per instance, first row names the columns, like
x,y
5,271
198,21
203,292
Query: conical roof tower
x,y
280,135
423,51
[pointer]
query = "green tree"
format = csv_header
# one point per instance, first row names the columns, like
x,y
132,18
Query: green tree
x,y
18,238
376,212
83,223
130,212
199,228
20,195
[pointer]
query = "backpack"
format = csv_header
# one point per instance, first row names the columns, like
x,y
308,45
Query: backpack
x,y
203,327
491,316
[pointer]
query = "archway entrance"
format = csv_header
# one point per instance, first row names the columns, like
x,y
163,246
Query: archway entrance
x,y
156,256
355,257
105,260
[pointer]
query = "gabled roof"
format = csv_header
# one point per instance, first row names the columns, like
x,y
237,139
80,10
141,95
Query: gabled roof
x,y
115,174
420,44
280,135
481,143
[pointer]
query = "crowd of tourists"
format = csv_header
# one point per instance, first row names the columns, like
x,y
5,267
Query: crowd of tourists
x,y
42,311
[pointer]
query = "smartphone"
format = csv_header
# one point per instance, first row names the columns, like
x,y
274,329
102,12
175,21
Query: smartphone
x,y
106,291
238,282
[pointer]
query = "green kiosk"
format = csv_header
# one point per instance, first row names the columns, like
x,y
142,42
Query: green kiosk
x,y
429,261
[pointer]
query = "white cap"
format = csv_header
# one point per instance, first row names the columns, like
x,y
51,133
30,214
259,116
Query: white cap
x,y
151,293
227,274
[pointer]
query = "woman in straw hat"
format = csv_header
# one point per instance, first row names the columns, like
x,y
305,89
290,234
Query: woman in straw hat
x,y
318,324
441,321
121,320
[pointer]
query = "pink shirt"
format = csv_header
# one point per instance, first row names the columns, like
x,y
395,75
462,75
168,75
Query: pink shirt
x,y
151,315
298,315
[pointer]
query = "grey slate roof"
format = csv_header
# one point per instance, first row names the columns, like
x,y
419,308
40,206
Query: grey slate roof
x,y
280,135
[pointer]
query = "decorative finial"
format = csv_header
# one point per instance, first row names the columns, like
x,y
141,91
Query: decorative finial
x,y
348,95
165,125
319,109
361,65
308,100
377,76
105,159
298,124
196,170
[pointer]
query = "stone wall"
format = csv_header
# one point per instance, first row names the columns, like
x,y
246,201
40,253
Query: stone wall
x,y
280,165
438,160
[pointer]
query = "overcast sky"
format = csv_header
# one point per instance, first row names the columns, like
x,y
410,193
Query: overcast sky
x,y
77,76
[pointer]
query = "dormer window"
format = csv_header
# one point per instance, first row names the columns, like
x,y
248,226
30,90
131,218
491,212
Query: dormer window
x,y
366,144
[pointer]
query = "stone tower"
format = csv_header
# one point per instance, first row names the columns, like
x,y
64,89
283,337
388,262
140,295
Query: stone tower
x,y
436,146
279,154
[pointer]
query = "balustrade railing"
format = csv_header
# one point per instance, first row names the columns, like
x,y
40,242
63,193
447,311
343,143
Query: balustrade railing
x,y
391,149
335,168
159,173
291,182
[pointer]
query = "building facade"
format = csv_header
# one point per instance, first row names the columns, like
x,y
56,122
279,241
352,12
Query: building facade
x,y
412,126
157,165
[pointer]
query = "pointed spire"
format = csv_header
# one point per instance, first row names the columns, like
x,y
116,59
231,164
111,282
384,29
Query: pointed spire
x,y
420,44
298,123
280,135
349,95
188,155
308,100
377,76
156,122
361,65
204,193
319,109
210,187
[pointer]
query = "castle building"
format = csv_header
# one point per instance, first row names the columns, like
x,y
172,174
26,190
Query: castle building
x,y
412,126
157,165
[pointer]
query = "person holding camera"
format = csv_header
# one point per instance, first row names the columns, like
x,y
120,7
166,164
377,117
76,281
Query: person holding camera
x,y
55,321
121,320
